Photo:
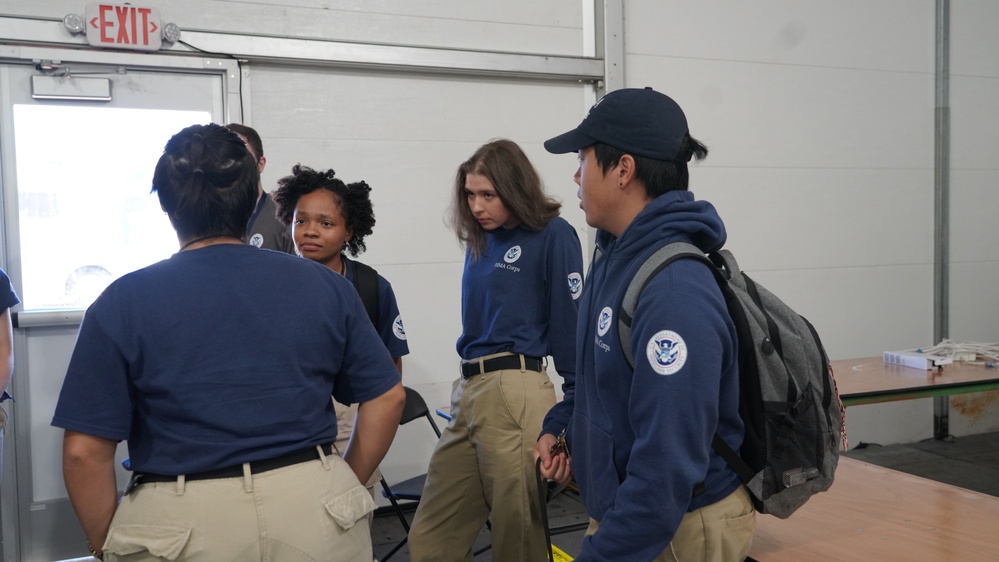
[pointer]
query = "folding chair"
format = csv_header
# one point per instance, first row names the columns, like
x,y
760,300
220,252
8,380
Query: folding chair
x,y
410,490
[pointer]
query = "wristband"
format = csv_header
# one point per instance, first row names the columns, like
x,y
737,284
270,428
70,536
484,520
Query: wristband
x,y
94,552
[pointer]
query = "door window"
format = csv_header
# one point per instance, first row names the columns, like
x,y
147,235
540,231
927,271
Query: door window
x,y
86,214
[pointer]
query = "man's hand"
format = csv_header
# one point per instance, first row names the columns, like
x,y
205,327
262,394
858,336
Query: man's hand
x,y
555,461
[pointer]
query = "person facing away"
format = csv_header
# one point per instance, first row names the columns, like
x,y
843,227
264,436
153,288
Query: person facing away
x,y
8,298
329,218
640,438
264,230
518,298
216,365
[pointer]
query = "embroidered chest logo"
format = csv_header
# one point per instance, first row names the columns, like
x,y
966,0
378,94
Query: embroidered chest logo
x,y
512,255
604,321
257,239
575,285
397,328
667,352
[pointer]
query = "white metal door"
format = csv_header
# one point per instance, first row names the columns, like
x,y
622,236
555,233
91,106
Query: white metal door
x,y
76,176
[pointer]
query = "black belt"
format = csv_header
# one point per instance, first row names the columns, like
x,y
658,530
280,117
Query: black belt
x,y
287,459
472,368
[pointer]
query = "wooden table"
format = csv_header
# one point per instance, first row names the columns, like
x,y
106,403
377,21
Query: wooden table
x,y
876,513
871,380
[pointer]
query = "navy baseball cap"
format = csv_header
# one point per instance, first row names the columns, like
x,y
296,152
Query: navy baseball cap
x,y
639,121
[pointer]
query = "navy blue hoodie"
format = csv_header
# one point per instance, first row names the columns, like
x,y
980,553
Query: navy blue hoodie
x,y
641,439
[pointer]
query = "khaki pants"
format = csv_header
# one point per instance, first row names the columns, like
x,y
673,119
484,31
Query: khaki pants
x,y
720,532
483,468
311,511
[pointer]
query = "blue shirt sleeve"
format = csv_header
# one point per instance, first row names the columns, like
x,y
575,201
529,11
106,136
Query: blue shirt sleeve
x,y
367,370
565,286
390,327
96,398
8,297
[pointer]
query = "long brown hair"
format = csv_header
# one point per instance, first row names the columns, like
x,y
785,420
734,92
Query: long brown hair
x,y
517,184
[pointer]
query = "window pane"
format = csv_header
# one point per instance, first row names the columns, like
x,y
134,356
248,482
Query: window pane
x,y
87,216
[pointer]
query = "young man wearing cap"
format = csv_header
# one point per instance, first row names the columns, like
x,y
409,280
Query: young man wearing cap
x,y
640,437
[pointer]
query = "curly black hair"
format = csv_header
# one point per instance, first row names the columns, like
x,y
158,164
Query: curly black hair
x,y
355,203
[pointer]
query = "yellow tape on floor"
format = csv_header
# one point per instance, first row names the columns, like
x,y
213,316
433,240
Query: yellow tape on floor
x,y
560,556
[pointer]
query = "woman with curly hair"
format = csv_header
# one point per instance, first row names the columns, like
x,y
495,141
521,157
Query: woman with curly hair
x,y
522,277
328,219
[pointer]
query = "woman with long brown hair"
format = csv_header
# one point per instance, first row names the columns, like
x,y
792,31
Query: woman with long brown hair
x,y
519,288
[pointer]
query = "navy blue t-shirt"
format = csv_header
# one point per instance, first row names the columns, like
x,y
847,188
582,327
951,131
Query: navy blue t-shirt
x,y
219,356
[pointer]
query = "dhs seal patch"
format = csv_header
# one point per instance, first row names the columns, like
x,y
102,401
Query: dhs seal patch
x,y
575,285
512,255
257,239
604,321
397,328
667,352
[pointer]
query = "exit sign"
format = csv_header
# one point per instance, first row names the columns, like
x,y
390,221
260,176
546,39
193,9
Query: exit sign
x,y
123,26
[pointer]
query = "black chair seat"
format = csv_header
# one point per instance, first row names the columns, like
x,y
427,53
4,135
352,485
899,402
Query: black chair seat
x,y
409,490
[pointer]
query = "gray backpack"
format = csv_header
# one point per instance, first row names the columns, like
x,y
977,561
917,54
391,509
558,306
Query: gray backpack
x,y
788,399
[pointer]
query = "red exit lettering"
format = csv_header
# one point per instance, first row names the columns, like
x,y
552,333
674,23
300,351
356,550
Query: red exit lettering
x,y
123,26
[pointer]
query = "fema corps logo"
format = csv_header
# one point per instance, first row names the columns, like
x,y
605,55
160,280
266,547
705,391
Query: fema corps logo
x,y
512,255
397,328
257,239
604,321
575,285
667,352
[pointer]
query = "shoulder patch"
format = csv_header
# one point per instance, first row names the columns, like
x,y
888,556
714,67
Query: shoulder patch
x,y
257,239
667,352
398,329
575,285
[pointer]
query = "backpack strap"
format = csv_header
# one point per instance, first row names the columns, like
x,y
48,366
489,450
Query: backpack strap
x,y
737,464
722,266
649,268
366,284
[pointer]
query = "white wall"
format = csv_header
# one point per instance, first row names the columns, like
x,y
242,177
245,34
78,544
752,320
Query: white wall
x,y
819,117
552,27
974,274
820,121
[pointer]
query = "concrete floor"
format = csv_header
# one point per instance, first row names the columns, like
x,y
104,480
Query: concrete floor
x,y
970,462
